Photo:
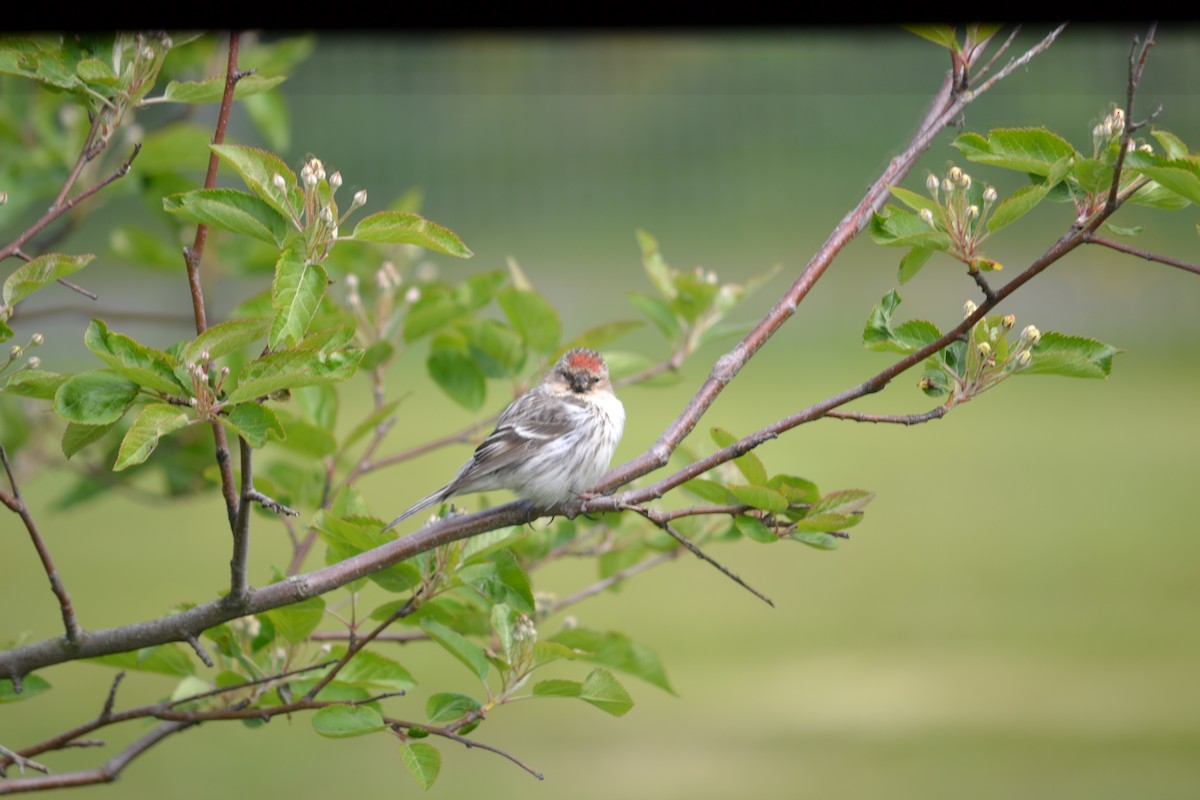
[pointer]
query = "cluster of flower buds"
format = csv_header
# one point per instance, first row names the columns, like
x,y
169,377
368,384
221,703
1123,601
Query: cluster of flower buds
x,y
961,213
1108,129
17,351
318,214
205,392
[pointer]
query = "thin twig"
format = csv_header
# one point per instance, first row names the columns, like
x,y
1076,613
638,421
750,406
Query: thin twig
x,y
239,586
21,762
110,701
982,283
1146,254
358,644
198,648
398,724
16,503
895,419
612,580
658,520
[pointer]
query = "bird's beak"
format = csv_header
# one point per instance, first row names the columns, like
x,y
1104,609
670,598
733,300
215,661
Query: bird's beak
x,y
581,383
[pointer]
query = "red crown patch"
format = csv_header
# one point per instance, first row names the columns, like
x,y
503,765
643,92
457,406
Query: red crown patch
x,y
584,359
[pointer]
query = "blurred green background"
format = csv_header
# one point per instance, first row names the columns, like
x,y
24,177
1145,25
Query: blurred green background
x,y
1018,613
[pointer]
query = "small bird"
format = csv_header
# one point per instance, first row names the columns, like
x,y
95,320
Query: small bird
x,y
551,444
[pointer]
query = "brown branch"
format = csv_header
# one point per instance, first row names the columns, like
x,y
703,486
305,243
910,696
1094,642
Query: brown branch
x,y
947,105
358,644
192,257
895,419
341,636
16,503
612,580
1121,247
239,585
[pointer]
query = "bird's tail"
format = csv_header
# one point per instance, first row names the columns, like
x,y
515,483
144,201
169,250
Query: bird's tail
x,y
423,503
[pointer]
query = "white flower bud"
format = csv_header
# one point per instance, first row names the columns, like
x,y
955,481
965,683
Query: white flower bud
x,y
15,351
1098,131
972,211
966,181
412,295
37,339
192,402
1031,334
327,215
989,195
926,216
931,183
352,282
335,180
947,185
205,356
1146,148
1008,321
1024,358
360,198
279,182
969,308
3,198
35,362
985,350
955,174
310,180
306,174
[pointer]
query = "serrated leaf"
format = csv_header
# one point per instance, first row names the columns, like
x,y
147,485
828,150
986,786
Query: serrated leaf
x,y
846,501
423,762
1020,203
659,313
748,464
1072,356
471,655
225,338
606,693
915,201
373,671
33,275
615,650
295,294
76,436
254,422
403,227
289,369
458,377
212,90
754,529
708,490
230,210
258,169
557,687
31,686
1172,145
450,706
155,421
941,35
821,541
1181,176
1031,150
912,262
34,383
760,497
96,397
343,721
296,621
144,365
532,317
497,350
895,227
163,659
429,314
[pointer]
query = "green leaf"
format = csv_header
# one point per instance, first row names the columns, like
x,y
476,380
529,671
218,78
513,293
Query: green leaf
x,y
343,721
163,659
496,349
912,262
1022,201
760,497
659,313
557,687
377,354
76,436
254,422
155,422
618,651
96,397
1031,150
1171,144
917,202
708,490
847,501
33,275
471,655
458,377
597,337
1181,176
428,314
230,210
748,464
178,148
296,621
373,671
402,227
504,622
821,541
518,594
34,383
449,706
895,227
225,338
941,35
422,760
1072,356
606,693
368,424
295,294
139,246
258,169
31,686
212,90
289,369
144,365
532,317
754,529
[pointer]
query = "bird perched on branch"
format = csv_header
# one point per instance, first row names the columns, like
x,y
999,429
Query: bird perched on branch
x,y
551,444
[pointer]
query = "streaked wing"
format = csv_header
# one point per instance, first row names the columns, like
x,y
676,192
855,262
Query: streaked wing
x,y
527,424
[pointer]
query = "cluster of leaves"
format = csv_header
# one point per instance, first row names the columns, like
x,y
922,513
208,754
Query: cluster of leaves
x,y
987,354
959,214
